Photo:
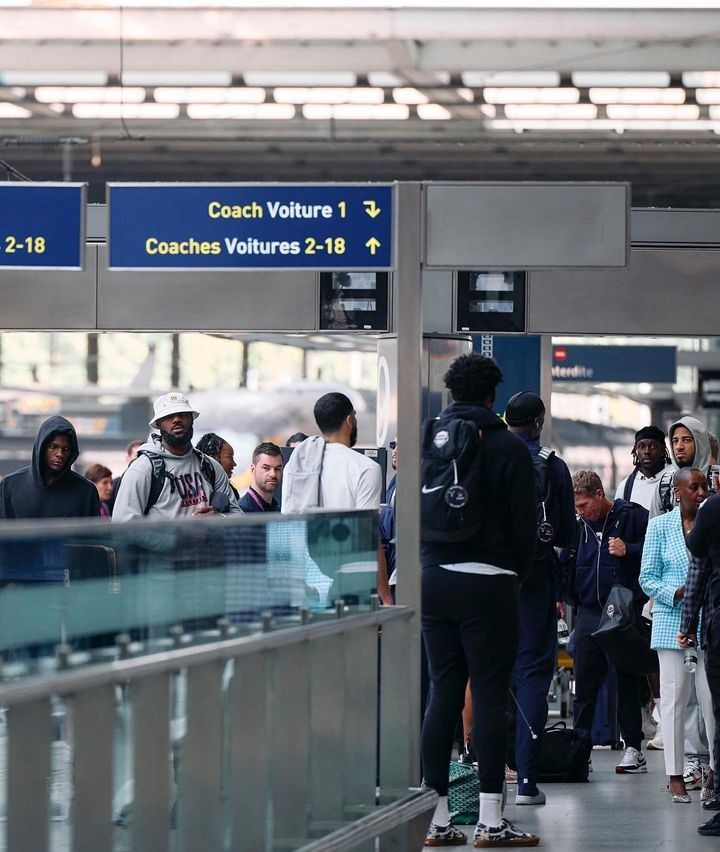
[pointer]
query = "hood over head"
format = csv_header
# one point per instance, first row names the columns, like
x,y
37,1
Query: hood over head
x,y
702,443
51,427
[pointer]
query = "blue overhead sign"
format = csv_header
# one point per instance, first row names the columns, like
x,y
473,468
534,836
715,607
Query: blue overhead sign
x,y
631,364
250,226
42,225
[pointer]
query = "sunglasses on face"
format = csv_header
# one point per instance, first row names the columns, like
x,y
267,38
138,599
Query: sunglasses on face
x,y
393,445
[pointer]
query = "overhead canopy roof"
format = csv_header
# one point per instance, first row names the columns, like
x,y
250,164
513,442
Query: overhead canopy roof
x,y
368,90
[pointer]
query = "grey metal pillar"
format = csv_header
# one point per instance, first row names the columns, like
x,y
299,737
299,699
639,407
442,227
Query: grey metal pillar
x,y
546,385
408,324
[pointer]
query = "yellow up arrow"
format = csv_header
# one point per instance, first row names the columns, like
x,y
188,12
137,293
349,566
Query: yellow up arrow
x,y
373,244
371,209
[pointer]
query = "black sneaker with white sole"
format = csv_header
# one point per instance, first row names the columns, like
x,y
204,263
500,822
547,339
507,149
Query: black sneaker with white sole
x,y
504,834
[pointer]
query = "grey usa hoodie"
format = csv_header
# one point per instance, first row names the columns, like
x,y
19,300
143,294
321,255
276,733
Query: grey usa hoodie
x,y
701,459
185,488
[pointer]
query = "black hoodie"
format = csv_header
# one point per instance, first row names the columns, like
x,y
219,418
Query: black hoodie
x,y
507,536
24,494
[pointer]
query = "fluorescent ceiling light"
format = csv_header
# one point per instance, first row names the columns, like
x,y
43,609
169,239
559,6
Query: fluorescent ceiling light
x,y
385,80
13,111
271,79
714,112
433,112
466,94
488,110
699,79
58,108
409,96
176,78
637,96
477,79
638,79
126,111
332,95
604,125
549,111
208,95
356,112
272,112
531,96
89,94
657,112
707,96
53,78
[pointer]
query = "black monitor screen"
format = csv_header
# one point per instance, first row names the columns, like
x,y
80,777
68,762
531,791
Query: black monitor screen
x,y
491,301
354,301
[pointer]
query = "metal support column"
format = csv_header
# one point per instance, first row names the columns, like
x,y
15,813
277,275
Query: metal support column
x,y
408,324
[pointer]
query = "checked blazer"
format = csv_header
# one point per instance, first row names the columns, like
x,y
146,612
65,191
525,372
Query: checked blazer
x,y
664,569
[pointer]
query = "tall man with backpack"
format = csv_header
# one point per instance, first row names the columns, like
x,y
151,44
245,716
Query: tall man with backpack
x,y
170,478
478,533
535,662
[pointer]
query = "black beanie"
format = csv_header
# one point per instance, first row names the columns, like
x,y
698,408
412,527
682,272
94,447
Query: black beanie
x,y
650,433
522,408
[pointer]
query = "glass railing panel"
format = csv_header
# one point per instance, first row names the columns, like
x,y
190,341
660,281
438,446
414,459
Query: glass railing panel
x,y
81,584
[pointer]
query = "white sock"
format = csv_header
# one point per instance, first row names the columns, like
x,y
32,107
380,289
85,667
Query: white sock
x,y
491,809
442,814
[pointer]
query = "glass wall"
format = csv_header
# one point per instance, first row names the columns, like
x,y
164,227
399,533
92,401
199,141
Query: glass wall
x,y
75,586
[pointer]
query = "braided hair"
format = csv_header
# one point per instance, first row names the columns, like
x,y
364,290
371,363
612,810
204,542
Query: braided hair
x,y
210,444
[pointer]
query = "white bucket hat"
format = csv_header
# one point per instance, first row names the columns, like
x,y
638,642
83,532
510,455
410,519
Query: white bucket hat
x,y
171,403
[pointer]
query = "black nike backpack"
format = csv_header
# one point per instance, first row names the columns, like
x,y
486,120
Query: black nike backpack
x,y
450,508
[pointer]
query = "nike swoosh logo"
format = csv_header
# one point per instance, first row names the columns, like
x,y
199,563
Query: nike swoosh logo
x,y
426,490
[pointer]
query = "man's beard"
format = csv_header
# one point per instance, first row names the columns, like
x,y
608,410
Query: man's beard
x,y
178,442
353,435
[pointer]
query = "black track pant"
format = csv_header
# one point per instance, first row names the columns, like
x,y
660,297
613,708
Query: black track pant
x,y
470,628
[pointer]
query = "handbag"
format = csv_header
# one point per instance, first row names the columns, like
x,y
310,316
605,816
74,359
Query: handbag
x,y
564,754
624,635
464,793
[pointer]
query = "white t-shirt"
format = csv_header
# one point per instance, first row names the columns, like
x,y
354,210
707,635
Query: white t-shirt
x,y
349,480
644,487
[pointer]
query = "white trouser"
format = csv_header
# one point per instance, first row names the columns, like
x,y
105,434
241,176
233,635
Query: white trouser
x,y
675,683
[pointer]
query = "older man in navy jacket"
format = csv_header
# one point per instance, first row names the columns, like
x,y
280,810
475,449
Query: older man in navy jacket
x,y
608,550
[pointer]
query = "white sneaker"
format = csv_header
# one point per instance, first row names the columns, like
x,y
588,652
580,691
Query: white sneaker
x,y
633,762
693,774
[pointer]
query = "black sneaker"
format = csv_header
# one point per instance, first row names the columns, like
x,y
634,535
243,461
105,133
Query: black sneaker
x,y
504,834
711,828
444,835
712,803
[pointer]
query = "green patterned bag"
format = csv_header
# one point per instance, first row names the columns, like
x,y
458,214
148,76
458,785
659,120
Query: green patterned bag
x,y
464,792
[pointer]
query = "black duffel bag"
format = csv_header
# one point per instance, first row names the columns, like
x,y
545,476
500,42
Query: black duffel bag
x,y
624,634
564,754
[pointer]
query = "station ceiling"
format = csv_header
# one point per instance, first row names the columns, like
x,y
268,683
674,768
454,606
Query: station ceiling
x,y
464,90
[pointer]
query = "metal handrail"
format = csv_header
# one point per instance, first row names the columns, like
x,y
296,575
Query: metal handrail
x,y
375,824
68,682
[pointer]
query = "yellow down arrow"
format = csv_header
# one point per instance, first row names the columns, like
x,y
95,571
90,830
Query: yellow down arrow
x,y
371,209
373,244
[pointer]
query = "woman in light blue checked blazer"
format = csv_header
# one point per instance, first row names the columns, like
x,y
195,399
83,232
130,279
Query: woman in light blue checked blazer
x,y
662,576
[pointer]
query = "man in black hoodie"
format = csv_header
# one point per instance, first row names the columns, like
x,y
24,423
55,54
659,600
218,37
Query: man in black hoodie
x,y
470,610
48,488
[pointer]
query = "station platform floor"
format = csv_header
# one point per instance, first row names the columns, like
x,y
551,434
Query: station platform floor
x,y
613,812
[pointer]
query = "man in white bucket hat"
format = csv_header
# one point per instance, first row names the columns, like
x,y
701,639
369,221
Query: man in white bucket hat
x,y
170,478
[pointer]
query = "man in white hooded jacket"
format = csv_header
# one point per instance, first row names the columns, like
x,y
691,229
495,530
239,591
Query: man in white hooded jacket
x,y
690,447
169,478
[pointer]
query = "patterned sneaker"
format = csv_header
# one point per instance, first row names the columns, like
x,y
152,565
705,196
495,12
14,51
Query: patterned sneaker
x,y
693,774
633,762
444,835
504,834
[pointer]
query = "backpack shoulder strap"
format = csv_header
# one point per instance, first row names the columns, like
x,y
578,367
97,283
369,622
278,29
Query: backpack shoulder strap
x,y
665,490
157,478
207,468
629,483
547,455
